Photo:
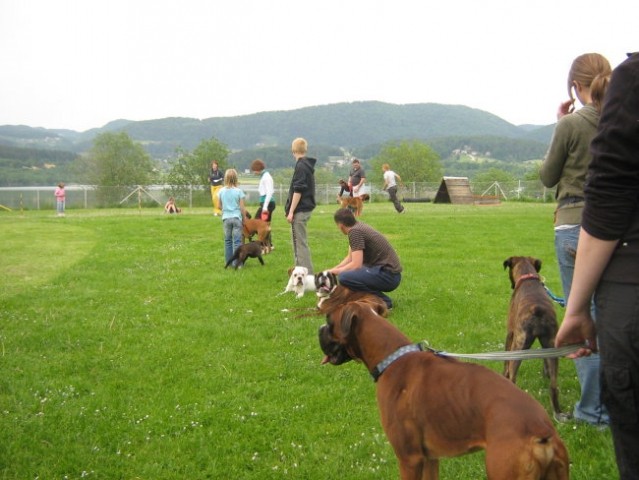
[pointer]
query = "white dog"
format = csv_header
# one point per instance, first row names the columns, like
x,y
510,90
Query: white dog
x,y
300,281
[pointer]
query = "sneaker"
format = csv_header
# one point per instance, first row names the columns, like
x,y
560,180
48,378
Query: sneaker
x,y
562,417
402,210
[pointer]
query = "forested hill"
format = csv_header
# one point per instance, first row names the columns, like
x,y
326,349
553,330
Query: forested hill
x,y
349,125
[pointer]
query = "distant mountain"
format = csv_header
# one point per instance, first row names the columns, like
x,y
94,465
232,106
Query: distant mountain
x,y
349,125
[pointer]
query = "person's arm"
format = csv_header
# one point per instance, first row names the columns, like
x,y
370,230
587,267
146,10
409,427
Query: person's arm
x,y
553,164
295,200
592,258
352,261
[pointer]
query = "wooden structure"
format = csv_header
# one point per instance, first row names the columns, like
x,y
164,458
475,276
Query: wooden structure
x,y
455,190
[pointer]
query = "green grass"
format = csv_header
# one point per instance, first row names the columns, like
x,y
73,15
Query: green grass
x,y
127,351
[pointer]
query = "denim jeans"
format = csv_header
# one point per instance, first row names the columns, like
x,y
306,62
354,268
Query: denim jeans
x,y
232,236
589,408
371,279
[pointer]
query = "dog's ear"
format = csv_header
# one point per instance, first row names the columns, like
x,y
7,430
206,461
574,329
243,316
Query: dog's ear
x,y
537,264
508,263
350,313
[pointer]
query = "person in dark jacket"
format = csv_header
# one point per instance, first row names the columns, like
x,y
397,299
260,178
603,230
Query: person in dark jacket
x,y
607,264
216,178
301,203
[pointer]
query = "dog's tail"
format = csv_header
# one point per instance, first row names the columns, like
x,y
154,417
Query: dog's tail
x,y
551,457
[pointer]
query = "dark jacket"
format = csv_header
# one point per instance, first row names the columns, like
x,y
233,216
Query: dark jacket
x,y
216,178
303,182
612,184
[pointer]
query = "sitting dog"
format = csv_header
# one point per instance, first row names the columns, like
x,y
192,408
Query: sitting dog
x,y
244,251
356,204
300,281
531,316
433,406
332,295
253,226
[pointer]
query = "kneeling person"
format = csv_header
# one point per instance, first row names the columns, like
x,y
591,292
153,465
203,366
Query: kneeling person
x,y
371,265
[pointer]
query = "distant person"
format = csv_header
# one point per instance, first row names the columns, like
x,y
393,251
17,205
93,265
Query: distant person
x,y
565,167
60,196
301,203
232,205
607,264
356,179
390,185
343,187
216,178
371,264
266,189
170,206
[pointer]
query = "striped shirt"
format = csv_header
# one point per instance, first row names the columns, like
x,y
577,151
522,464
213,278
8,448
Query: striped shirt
x,y
375,247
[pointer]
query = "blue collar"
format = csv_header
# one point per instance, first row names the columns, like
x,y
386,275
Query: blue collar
x,y
396,355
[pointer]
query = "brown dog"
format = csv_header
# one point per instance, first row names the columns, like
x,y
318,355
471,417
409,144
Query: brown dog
x,y
253,226
433,407
356,204
244,251
531,316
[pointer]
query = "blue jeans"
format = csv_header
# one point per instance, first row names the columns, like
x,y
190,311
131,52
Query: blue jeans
x,y
374,280
589,408
232,236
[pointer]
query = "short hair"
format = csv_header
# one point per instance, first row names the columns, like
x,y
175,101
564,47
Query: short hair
x,y
258,165
386,166
345,217
230,178
355,160
299,145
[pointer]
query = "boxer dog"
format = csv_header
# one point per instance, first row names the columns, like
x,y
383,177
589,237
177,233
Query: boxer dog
x,y
300,281
253,226
531,316
332,295
356,204
244,251
433,406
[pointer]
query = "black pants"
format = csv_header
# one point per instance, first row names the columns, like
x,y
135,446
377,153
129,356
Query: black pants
x,y
392,193
618,336
271,207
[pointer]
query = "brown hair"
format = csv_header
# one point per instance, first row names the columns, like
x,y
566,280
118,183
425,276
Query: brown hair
x,y
593,71
345,217
258,165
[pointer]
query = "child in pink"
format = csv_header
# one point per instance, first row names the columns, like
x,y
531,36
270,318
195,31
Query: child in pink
x,y
59,196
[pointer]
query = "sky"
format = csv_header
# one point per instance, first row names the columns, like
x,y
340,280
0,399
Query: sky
x,y
79,64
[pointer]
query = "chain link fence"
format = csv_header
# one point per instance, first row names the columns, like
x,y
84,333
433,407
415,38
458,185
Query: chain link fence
x,y
154,196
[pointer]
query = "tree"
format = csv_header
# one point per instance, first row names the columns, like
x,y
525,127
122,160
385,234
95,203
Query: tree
x,y
192,168
414,161
115,164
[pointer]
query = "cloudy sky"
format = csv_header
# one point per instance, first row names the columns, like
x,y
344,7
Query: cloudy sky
x,y
79,64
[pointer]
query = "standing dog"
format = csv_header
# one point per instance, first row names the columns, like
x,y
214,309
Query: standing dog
x,y
531,316
433,407
244,251
253,226
356,204
300,281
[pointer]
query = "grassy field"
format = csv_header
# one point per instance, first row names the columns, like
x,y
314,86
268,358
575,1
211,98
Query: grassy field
x,y
128,352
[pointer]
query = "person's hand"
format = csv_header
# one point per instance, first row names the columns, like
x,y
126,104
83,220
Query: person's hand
x,y
578,329
565,108
289,218
265,215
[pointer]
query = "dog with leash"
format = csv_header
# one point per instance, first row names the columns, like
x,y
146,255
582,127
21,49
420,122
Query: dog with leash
x,y
531,316
433,407
355,204
256,226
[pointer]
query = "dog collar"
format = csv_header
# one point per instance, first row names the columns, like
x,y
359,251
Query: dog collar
x,y
528,276
396,355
